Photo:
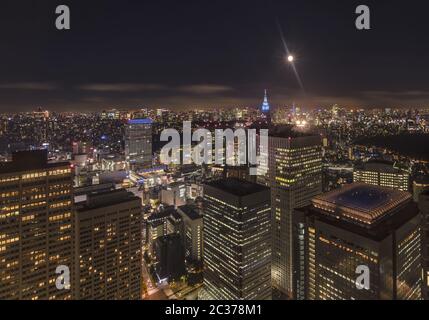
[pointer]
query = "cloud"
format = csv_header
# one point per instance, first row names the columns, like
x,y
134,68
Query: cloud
x,y
194,89
394,98
36,86
400,94
205,89
121,87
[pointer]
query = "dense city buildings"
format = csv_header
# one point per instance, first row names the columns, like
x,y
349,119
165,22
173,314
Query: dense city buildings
x,y
36,229
295,171
382,174
356,228
308,153
237,240
108,247
138,143
424,209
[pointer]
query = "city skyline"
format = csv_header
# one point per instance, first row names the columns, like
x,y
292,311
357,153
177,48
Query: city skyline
x,y
148,54
228,153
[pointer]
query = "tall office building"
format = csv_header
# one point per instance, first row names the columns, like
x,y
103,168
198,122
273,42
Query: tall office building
x,y
158,225
236,240
358,230
138,143
170,257
108,242
424,209
295,171
382,174
193,232
35,226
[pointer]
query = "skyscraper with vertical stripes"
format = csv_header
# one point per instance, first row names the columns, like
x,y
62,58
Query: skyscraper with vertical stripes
x,y
295,177
237,245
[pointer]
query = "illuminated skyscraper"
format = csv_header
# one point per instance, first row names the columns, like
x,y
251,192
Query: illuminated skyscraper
x,y
265,108
138,143
35,226
424,209
108,246
351,229
295,172
193,232
237,240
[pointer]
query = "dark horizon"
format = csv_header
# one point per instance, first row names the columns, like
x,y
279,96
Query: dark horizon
x,y
133,54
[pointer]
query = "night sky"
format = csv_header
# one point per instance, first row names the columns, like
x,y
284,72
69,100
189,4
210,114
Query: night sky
x,y
185,53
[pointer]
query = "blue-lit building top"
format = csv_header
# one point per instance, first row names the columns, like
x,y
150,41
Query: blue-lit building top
x,y
265,105
140,121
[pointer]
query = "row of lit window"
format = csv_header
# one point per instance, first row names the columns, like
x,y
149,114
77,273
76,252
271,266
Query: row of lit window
x,y
33,175
60,204
9,214
9,194
60,216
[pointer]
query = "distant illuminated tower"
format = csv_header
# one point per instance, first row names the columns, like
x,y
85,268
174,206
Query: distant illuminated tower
x,y
265,105
265,108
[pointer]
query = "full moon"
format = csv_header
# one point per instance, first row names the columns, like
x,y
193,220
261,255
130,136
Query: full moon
x,y
290,58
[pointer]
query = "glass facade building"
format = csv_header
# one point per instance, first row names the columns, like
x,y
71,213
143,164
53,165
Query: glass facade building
x,y
295,172
236,240
138,143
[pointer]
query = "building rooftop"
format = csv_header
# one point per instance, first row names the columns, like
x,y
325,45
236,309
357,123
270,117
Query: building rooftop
x,y
379,166
239,188
172,213
422,180
140,121
377,231
162,215
190,211
105,199
360,202
29,160
287,131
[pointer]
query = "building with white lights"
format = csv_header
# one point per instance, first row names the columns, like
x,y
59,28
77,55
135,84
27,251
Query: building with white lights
x,y
138,143
36,226
382,174
359,229
237,246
